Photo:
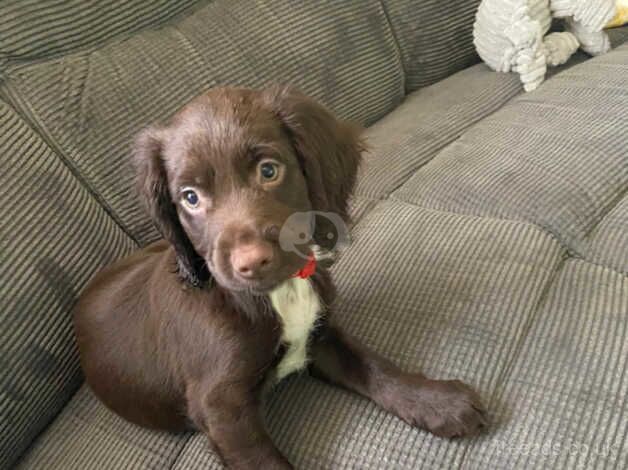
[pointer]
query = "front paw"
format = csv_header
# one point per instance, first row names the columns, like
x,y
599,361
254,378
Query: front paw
x,y
446,408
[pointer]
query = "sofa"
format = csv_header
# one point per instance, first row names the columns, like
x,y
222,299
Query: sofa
x,y
490,236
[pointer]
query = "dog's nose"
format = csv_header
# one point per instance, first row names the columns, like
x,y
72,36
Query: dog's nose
x,y
252,260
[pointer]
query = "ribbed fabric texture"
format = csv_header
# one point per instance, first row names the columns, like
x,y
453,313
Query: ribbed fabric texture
x,y
197,454
86,435
617,36
36,29
607,244
435,37
430,119
563,401
426,122
53,237
91,103
556,157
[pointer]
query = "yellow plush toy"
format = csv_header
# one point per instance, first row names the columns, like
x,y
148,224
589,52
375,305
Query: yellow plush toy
x,y
621,18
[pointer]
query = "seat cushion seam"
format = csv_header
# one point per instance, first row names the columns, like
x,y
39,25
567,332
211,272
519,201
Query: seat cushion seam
x,y
182,448
546,231
527,327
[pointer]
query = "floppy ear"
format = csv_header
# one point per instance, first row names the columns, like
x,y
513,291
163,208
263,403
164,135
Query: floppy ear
x,y
328,148
152,183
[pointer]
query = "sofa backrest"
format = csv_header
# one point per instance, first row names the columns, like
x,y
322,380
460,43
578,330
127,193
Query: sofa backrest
x,y
91,102
53,237
38,29
435,37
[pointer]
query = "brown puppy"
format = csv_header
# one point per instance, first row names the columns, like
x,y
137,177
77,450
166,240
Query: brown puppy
x,y
186,332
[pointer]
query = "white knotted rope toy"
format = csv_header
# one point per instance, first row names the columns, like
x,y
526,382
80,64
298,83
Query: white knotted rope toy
x,y
510,35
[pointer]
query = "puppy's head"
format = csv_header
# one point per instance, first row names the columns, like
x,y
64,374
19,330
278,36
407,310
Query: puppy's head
x,y
224,176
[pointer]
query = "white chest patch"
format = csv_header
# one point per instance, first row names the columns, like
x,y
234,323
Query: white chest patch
x,y
298,307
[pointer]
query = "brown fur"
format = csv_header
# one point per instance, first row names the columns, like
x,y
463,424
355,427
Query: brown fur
x,y
174,337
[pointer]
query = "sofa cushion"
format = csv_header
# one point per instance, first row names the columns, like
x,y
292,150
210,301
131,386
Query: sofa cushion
x,y
448,294
36,29
429,120
89,104
53,237
426,122
555,157
562,402
435,37
86,435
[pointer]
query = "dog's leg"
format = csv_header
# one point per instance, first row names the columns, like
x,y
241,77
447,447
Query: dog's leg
x,y
447,408
231,419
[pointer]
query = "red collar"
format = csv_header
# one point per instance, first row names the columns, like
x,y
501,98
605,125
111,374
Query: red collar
x,y
308,270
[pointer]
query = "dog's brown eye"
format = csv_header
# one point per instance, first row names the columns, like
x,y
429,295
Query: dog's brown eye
x,y
191,198
268,171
